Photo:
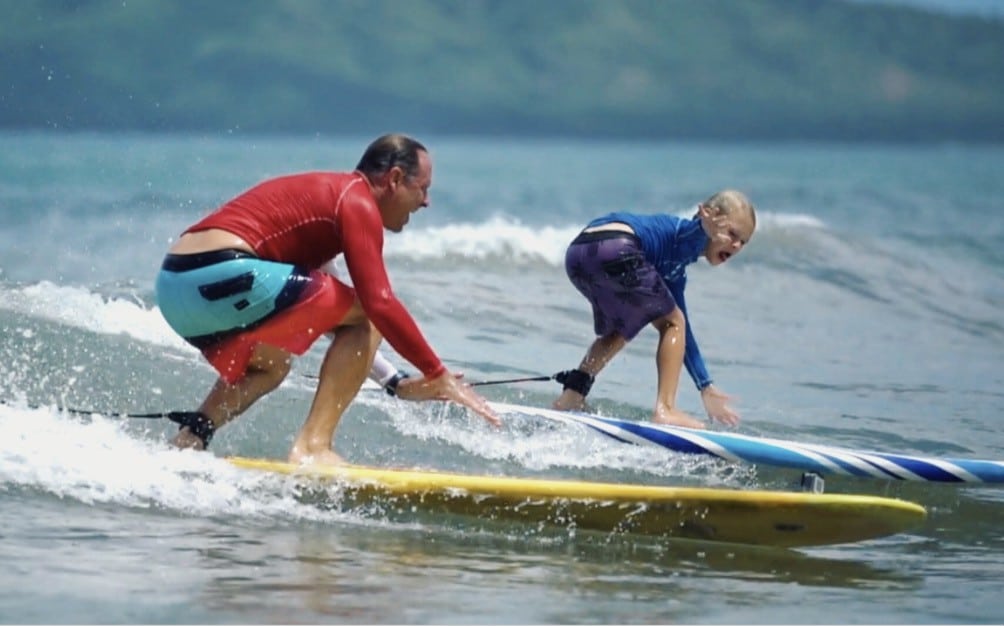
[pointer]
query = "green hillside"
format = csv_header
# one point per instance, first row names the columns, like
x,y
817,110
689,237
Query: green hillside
x,y
731,69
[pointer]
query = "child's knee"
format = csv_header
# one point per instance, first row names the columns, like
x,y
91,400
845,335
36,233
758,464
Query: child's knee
x,y
673,319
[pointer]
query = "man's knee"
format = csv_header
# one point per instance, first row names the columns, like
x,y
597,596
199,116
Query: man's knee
x,y
271,361
355,316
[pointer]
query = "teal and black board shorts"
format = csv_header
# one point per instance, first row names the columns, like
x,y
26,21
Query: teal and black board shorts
x,y
205,297
226,302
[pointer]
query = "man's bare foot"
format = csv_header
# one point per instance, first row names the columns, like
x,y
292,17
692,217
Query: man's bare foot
x,y
675,417
185,440
324,456
569,401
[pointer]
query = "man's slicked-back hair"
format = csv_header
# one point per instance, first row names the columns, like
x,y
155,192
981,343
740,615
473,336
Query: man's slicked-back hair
x,y
389,151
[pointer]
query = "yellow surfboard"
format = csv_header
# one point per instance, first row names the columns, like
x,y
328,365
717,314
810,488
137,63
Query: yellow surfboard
x,y
772,518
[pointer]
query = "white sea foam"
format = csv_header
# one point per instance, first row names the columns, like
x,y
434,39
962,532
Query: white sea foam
x,y
498,237
70,457
82,308
84,459
537,445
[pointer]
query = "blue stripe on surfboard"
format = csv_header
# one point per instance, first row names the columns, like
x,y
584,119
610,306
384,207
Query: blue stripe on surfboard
x,y
781,453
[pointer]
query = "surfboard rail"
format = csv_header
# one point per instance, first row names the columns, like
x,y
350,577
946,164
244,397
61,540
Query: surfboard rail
x,y
752,517
736,448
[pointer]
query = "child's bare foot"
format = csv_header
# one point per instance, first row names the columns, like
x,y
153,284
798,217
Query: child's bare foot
x,y
324,456
675,417
569,401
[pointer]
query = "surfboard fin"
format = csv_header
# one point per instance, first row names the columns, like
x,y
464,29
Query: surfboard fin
x,y
812,483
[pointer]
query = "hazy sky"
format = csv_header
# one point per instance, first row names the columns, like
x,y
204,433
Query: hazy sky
x,y
993,8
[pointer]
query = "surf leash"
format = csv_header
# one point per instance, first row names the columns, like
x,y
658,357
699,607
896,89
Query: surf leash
x,y
505,381
575,379
200,425
480,383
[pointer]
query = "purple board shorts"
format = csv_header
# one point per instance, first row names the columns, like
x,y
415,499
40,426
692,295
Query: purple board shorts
x,y
626,291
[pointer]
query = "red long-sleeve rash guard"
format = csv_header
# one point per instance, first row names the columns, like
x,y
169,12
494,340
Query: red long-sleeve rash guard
x,y
307,219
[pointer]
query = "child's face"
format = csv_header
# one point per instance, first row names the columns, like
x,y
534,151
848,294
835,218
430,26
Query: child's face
x,y
727,234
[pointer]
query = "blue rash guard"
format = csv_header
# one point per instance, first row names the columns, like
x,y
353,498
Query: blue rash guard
x,y
670,244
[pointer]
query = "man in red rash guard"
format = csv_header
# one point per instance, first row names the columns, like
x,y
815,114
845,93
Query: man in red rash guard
x,y
244,286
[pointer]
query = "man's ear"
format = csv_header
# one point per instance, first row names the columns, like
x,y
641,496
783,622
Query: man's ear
x,y
395,176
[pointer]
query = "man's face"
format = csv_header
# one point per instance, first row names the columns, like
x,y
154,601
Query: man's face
x,y
407,193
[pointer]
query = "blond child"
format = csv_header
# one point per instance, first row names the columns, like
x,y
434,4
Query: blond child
x,y
632,269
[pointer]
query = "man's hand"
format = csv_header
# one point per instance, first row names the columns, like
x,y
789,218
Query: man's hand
x,y
419,389
448,386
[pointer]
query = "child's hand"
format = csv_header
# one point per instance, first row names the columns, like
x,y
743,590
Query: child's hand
x,y
716,403
715,225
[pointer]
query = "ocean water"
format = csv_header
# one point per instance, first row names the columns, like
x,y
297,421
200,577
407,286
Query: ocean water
x,y
865,313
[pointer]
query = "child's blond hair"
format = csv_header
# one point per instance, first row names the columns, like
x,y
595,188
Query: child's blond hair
x,y
729,201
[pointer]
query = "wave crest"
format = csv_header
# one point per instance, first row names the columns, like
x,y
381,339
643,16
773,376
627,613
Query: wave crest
x,y
509,239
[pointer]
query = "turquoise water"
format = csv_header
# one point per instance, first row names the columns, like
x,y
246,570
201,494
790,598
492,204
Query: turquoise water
x,y
865,313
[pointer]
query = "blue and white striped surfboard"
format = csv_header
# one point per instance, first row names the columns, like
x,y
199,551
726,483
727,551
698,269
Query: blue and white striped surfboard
x,y
777,452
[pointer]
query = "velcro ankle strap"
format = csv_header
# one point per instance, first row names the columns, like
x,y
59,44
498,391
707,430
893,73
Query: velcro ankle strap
x,y
197,422
576,380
